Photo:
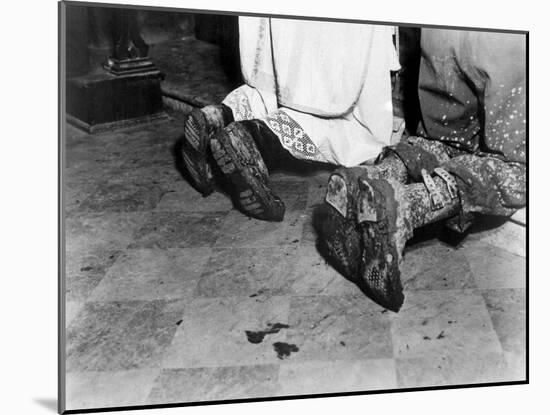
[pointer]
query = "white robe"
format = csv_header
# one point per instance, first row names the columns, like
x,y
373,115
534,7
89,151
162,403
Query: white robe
x,y
323,88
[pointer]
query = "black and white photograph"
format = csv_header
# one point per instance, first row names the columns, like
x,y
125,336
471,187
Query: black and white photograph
x,y
259,206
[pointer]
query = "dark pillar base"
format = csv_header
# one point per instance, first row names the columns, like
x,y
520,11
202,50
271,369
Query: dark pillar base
x,y
104,101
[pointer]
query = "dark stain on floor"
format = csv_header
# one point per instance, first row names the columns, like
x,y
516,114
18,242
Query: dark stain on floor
x,y
260,292
284,349
258,336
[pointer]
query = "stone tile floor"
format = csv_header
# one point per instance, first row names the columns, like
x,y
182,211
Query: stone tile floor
x,y
172,297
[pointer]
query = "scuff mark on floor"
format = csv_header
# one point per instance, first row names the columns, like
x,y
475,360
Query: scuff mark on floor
x,y
314,325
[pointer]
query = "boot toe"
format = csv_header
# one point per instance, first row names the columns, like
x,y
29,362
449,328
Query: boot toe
x,y
380,271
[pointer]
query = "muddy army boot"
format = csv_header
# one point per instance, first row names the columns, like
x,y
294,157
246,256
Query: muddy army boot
x,y
387,214
340,235
200,126
241,151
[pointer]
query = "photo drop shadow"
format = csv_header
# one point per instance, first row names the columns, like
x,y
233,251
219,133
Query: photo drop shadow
x,y
48,403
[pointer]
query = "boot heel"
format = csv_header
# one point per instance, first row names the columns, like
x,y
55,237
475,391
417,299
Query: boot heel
x,y
337,194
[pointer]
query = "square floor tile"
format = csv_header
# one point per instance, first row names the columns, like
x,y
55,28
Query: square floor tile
x,y
165,176
433,265
72,308
90,166
189,200
178,230
238,230
245,272
494,267
107,231
335,377
214,332
146,152
444,323
74,193
508,314
84,271
116,195
312,275
516,365
509,236
87,390
116,336
344,327
213,384
454,369
151,274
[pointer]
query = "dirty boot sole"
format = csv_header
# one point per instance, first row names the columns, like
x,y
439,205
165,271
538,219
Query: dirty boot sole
x,y
195,152
380,256
237,156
